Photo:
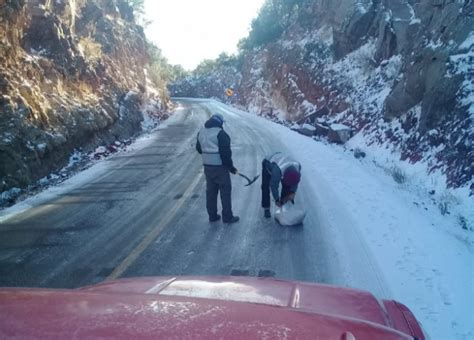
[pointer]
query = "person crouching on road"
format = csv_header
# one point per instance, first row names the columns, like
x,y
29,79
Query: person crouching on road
x,y
213,143
279,168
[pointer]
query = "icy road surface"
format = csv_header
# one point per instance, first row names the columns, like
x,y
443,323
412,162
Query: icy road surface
x,y
142,213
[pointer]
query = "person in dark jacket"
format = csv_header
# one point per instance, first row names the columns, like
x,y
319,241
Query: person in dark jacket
x,y
213,143
279,168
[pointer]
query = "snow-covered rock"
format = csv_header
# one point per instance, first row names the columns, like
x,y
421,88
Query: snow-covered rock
x,y
305,129
339,133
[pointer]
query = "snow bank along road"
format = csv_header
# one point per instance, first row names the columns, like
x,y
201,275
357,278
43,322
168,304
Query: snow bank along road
x,y
143,213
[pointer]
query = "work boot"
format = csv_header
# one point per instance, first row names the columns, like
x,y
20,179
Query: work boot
x,y
215,219
233,220
267,213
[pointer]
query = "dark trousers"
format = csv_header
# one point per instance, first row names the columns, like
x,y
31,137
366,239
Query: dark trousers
x,y
266,177
265,185
218,180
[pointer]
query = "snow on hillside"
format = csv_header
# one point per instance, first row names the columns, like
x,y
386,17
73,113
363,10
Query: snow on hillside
x,y
354,70
463,64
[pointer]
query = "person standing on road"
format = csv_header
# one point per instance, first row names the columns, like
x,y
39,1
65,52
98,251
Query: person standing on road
x,y
279,168
213,143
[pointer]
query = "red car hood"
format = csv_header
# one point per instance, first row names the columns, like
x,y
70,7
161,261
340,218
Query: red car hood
x,y
197,307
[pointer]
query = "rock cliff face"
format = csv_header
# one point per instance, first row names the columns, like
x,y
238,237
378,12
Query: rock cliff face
x,y
72,75
400,72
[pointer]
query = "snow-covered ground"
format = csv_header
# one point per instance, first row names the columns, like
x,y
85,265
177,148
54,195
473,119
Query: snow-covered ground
x,y
425,258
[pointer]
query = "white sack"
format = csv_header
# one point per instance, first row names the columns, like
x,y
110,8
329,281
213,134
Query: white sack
x,y
289,215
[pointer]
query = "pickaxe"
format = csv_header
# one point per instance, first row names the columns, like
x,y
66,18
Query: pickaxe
x,y
250,181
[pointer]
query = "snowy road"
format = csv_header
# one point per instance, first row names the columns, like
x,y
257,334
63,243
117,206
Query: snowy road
x,y
144,213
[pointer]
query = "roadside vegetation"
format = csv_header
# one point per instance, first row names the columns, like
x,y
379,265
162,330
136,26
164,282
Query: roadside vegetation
x,y
161,72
